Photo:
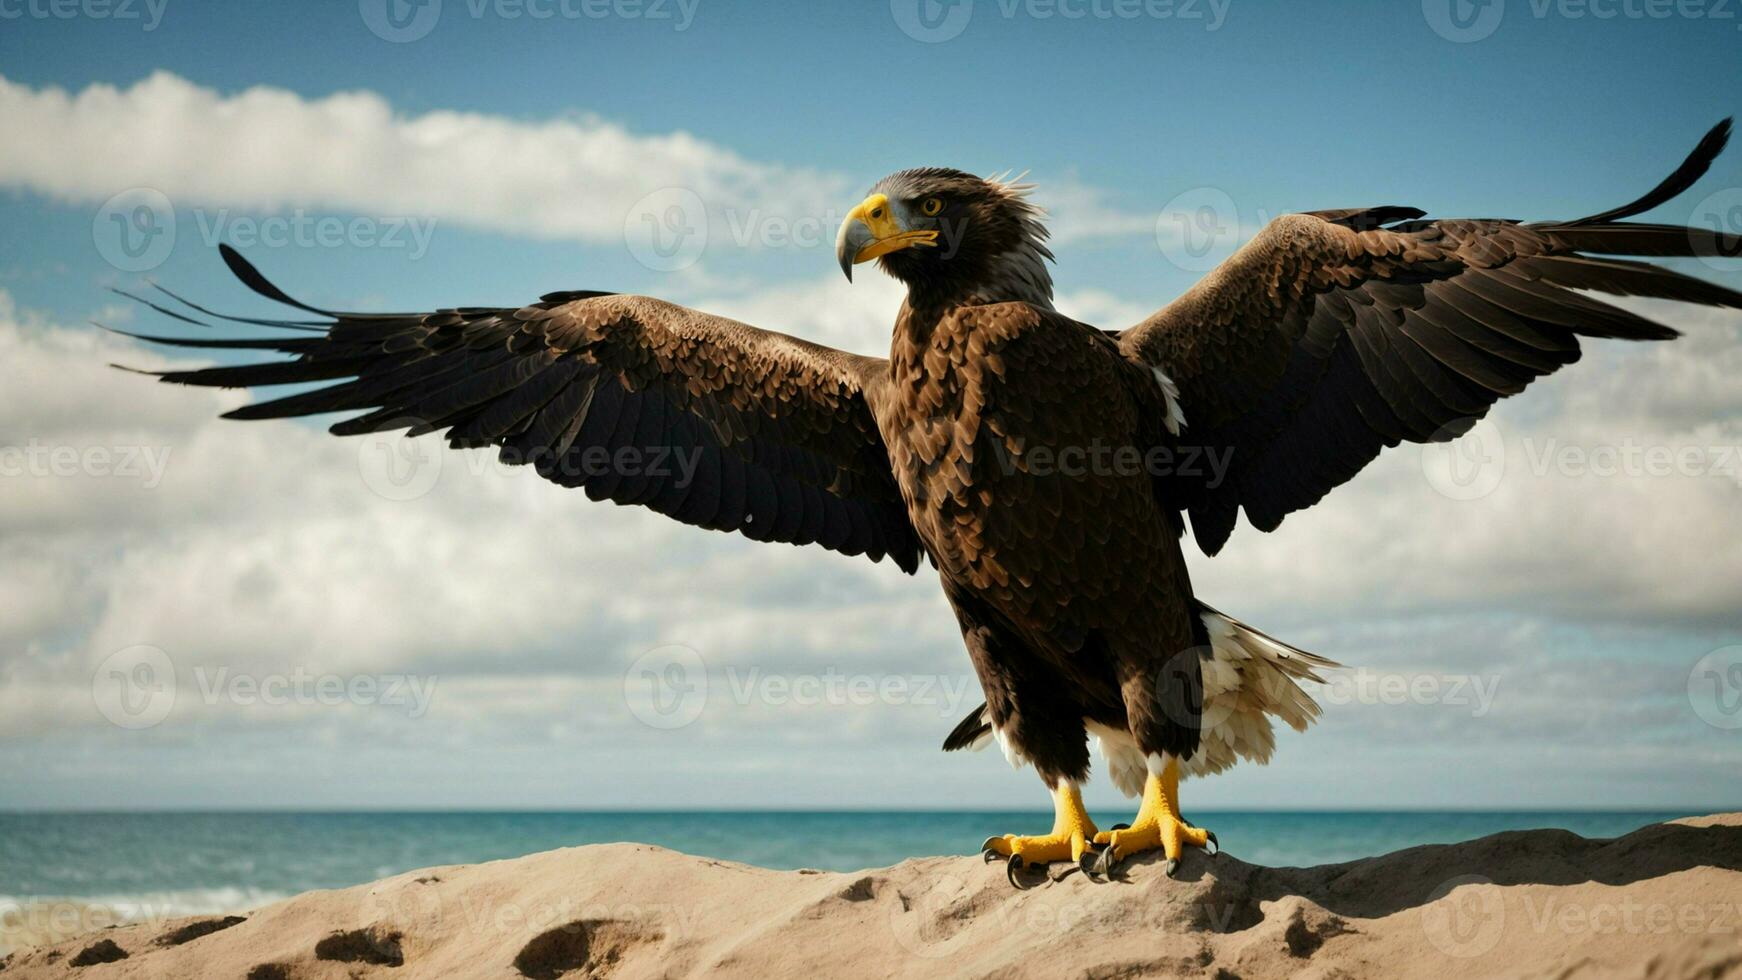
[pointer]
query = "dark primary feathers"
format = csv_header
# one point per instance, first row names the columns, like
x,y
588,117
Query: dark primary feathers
x,y
607,393
1336,333
1329,336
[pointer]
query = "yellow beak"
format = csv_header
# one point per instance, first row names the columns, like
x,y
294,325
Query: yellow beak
x,y
873,229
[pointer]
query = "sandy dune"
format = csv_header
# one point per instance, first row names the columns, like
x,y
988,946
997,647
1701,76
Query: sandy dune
x,y
1663,902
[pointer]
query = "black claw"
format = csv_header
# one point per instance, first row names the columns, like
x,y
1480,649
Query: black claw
x,y
1121,826
987,855
1170,867
1212,845
1105,862
1011,867
1088,863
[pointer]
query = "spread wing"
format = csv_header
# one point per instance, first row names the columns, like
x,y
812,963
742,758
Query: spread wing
x,y
703,419
1336,333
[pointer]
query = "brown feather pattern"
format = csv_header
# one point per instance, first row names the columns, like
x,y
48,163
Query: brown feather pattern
x,y
784,443
1328,337
1334,334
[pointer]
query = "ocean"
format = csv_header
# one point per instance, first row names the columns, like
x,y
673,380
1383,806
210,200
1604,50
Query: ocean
x,y
89,869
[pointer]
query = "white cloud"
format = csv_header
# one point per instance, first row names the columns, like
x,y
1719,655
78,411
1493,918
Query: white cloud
x,y
262,550
1103,309
266,148
853,316
1552,536
1081,212
580,178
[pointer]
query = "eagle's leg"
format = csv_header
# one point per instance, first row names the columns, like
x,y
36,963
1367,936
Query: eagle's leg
x,y
1073,834
1157,824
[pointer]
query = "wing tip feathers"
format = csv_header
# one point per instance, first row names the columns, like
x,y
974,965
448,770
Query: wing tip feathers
x,y
1692,169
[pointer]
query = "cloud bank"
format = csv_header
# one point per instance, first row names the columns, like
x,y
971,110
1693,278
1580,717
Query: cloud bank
x,y
579,178
270,551
1573,595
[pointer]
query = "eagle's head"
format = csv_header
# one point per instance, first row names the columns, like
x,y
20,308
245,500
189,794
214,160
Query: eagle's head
x,y
951,237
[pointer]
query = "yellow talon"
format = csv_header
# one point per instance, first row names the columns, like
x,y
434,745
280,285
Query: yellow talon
x,y
1157,824
1072,831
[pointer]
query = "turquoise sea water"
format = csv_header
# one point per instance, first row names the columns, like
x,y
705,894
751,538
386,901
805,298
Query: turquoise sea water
x,y
186,863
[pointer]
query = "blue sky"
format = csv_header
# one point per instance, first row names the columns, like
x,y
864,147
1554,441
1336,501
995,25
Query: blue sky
x,y
1587,601
1284,106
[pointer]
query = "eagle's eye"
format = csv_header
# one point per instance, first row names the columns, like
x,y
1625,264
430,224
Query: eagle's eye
x,y
932,206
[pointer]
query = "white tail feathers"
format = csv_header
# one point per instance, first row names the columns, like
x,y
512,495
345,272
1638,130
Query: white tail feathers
x,y
1250,678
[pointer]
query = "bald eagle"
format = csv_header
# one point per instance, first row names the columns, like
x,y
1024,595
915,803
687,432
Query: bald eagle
x,y
1329,336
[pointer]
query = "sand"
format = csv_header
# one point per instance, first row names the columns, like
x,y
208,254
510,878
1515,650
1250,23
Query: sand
x,y
1663,902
